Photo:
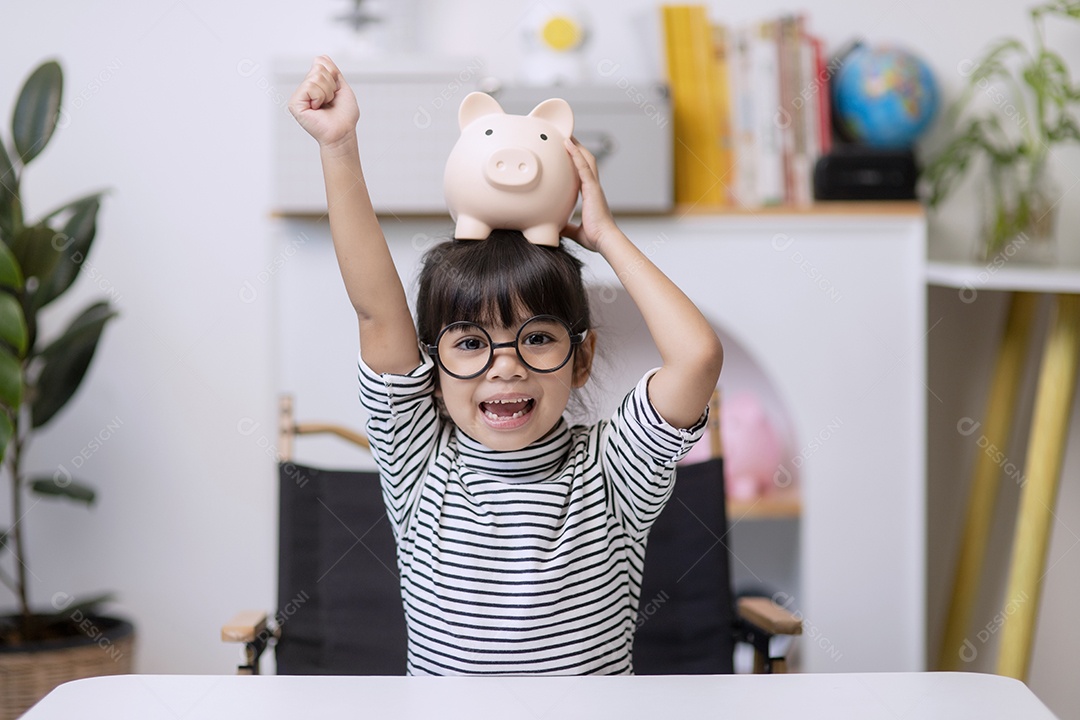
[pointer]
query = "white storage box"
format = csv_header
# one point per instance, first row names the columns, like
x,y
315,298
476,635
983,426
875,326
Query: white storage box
x,y
408,124
628,129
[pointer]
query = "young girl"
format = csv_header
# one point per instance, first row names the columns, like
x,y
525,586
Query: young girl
x,y
520,540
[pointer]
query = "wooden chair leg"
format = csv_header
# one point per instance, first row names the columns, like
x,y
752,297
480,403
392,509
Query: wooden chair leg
x,y
760,664
766,665
986,479
1046,449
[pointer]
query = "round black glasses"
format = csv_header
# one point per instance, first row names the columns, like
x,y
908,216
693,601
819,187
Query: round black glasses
x,y
543,343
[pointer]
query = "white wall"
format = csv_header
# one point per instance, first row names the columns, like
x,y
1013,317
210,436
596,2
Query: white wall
x,y
170,106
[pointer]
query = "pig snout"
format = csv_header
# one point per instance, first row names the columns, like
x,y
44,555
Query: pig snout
x,y
513,168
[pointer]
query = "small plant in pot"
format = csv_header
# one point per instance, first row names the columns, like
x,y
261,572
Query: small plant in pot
x,y
1019,103
39,262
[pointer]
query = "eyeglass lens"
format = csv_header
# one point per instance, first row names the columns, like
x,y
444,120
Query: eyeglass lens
x,y
543,344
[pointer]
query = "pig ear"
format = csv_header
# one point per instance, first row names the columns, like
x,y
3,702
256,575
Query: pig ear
x,y
476,105
557,112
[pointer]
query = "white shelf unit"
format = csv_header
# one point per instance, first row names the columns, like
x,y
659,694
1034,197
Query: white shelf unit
x,y
829,308
1002,276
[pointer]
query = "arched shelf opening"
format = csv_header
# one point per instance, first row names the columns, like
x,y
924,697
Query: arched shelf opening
x,y
755,424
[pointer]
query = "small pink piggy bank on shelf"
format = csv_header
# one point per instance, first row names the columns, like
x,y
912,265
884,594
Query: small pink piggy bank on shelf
x,y
511,172
752,448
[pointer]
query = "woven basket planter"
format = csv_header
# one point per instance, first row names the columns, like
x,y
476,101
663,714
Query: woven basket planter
x,y
29,672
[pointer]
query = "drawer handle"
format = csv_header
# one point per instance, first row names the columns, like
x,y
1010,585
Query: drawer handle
x,y
598,142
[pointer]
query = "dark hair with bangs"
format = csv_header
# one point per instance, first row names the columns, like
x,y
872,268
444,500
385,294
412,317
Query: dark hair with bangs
x,y
493,282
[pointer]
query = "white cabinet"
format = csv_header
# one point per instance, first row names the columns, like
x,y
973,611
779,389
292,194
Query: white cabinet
x,y
408,115
829,308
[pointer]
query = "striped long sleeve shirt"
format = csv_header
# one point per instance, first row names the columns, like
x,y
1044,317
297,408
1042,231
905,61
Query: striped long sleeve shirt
x,y
526,561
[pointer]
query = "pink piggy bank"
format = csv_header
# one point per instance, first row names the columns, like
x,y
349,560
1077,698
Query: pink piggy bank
x,y
752,448
511,172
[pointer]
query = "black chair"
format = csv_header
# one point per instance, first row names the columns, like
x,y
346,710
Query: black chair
x,y
337,574
688,618
339,602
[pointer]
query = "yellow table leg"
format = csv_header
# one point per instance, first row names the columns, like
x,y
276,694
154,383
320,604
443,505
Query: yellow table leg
x,y
1046,449
1000,409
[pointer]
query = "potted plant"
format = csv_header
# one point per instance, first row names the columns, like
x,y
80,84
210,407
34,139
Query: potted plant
x,y
1019,103
39,262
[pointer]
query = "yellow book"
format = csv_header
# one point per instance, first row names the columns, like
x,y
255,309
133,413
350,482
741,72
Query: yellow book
x,y
677,63
701,176
709,187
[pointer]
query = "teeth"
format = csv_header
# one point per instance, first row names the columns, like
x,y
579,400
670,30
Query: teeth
x,y
493,416
526,405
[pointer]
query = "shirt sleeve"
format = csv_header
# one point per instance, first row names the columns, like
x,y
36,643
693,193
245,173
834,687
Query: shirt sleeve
x,y
640,450
403,428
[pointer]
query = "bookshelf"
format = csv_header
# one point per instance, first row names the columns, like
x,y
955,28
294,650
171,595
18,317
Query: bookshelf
x,y
844,208
781,505
885,208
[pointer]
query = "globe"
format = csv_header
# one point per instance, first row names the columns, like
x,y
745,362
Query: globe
x,y
884,97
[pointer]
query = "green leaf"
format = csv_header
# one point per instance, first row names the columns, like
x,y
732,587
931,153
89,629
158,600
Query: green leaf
x,y
74,245
11,381
13,323
66,361
72,205
10,273
9,194
1064,8
37,110
993,65
37,250
7,429
68,488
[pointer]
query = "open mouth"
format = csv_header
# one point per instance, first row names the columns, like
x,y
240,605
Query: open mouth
x,y
504,410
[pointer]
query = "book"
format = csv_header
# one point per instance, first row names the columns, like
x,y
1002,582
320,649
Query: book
x,y
765,86
742,125
822,76
692,75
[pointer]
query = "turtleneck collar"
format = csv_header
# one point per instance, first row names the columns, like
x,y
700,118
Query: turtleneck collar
x,y
539,461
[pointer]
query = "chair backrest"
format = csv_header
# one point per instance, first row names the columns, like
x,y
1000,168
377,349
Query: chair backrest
x,y
686,614
339,598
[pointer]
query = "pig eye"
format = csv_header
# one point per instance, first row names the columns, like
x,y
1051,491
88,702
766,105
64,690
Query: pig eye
x,y
488,131
543,136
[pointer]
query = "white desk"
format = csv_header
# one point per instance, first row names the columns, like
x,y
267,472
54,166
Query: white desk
x,y
949,696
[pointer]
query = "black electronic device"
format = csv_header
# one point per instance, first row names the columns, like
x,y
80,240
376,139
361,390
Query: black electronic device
x,y
858,172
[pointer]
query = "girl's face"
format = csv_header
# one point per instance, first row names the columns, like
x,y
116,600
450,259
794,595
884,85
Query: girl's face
x,y
509,406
